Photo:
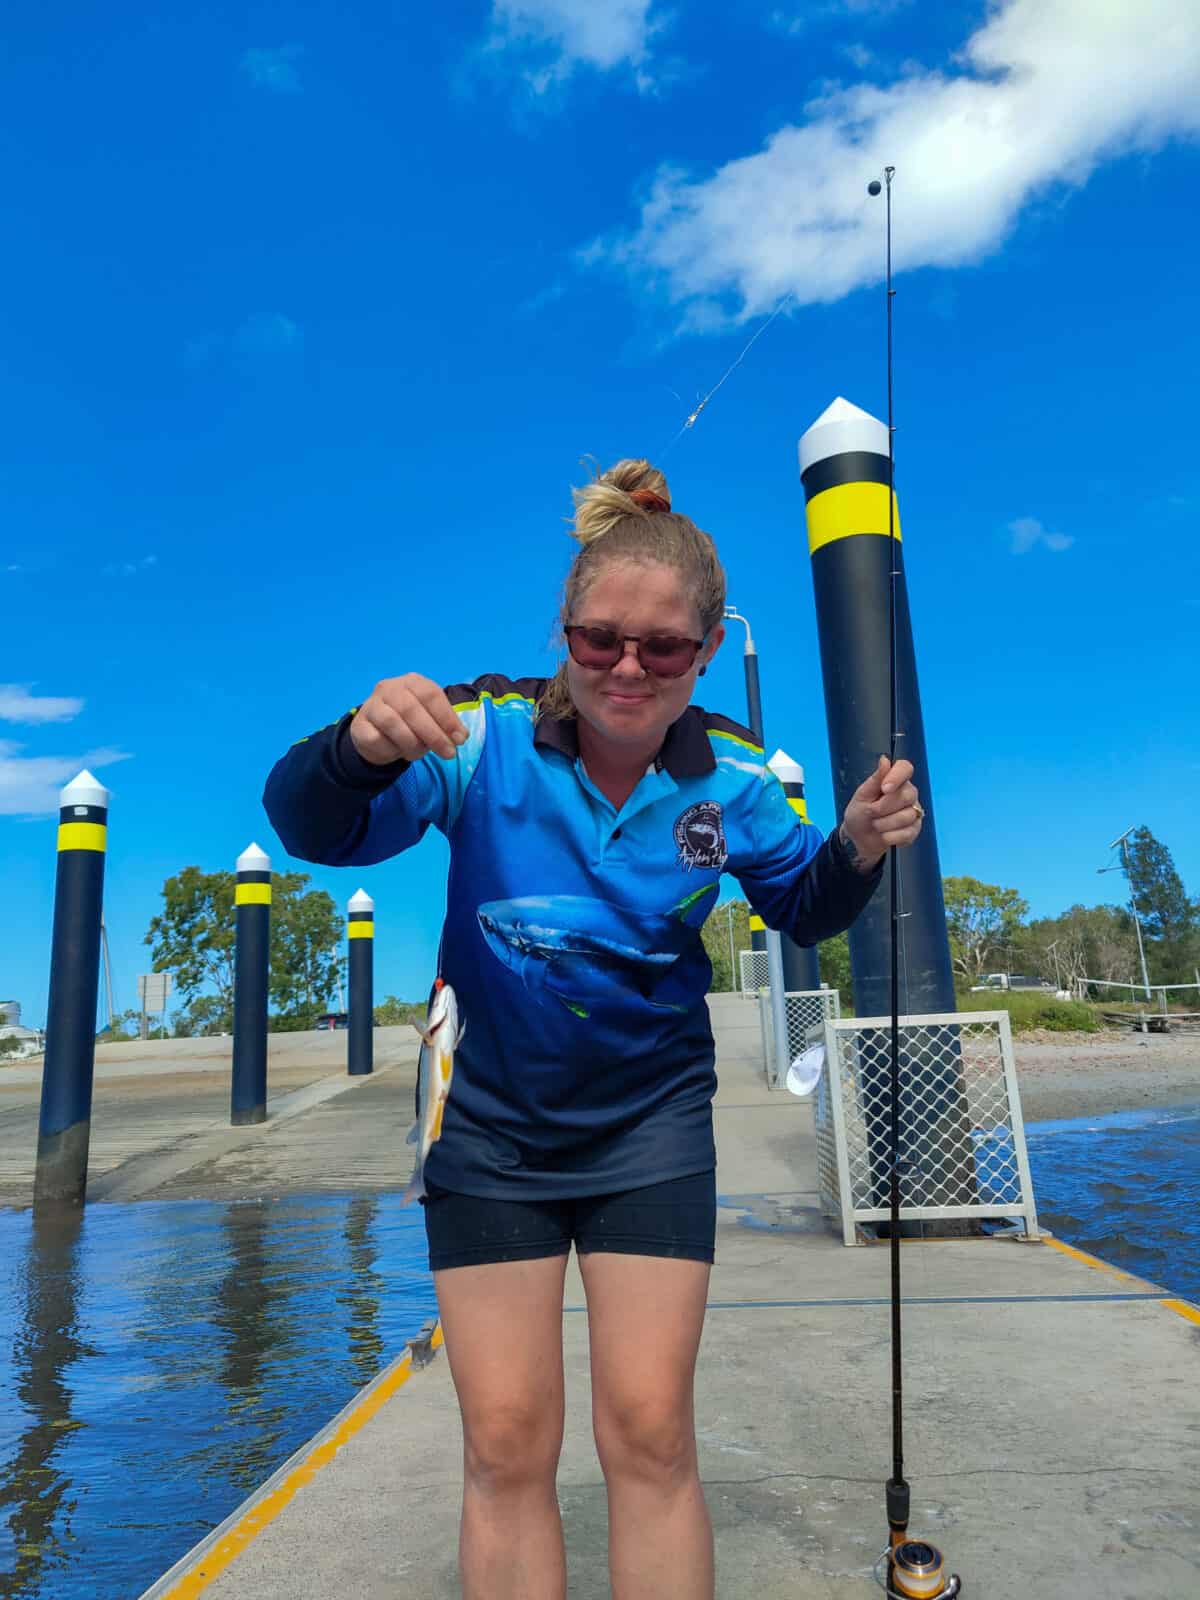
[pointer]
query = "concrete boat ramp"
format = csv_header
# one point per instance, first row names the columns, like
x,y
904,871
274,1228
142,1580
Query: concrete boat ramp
x,y
1052,1402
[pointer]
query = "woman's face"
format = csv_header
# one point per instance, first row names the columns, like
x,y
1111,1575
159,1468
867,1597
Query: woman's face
x,y
628,706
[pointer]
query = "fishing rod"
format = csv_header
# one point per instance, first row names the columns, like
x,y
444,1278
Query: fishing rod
x,y
909,1569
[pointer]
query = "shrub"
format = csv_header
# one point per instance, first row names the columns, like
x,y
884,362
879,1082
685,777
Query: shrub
x,y
1027,1011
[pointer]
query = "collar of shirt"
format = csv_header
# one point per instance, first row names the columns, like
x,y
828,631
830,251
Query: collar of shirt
x,y
685,753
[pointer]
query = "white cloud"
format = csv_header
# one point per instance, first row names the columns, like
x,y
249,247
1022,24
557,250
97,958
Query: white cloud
x,y
266,332
1028,532
559,35
18,704
129,569
275,70
30,785
1045,91
263,336
790,21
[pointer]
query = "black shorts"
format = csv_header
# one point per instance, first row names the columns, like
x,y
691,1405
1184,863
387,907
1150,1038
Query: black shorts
x,y
676,1218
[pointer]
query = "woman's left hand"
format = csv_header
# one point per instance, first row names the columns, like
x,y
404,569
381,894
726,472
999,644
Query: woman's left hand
x,y
884,811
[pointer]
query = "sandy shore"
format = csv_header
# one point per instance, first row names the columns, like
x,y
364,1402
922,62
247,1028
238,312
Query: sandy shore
x,y
1087,1075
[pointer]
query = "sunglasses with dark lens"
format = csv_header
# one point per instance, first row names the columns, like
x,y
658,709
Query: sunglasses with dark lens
x,y
666,655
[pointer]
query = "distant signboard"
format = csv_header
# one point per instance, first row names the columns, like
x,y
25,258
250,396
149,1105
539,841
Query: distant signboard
x,y
153,989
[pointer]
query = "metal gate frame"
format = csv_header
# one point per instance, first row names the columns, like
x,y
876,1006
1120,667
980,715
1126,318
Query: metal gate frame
x,y
849,1170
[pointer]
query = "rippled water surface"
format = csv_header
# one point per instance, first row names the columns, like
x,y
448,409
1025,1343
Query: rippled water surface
x,y
1127,1188
159,1360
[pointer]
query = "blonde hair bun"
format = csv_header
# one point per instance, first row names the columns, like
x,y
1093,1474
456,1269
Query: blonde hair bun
x,y
633,488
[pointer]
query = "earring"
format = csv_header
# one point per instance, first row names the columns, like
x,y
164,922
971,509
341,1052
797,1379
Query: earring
x,y
702,671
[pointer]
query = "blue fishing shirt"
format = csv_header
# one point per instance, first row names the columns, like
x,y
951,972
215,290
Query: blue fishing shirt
x,y
572,931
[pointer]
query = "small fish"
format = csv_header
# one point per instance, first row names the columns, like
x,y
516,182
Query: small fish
x,y
440,1038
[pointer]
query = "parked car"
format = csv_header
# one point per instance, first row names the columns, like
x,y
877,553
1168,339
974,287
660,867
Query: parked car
x,y
1010,980
334,1019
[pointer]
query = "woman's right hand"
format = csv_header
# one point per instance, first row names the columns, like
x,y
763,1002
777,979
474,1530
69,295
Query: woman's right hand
x,y
404,719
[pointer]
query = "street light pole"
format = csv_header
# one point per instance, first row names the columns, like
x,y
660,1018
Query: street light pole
x,y
1121,840
750,659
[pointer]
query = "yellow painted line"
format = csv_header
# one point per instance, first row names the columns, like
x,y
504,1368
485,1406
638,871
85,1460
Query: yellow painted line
x,y
1094,1261
1184,1309
223,1554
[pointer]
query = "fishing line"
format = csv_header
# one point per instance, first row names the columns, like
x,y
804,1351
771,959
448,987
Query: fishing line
x,y
690,420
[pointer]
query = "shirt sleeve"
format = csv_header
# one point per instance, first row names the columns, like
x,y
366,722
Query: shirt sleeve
x,y
796,881
330,806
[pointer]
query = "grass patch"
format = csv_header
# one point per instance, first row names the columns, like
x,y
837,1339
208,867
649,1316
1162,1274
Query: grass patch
x,y
1027,1011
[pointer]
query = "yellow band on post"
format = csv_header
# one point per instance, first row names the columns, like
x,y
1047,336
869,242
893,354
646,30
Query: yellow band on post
x,y
83,836
848,509
800,809
757,925
252,894
360,930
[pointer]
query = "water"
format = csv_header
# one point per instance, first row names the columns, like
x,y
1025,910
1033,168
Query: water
x,y
1127,1188
159,1360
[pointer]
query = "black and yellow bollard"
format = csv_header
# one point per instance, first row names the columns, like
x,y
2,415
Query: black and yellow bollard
x,y
800,967
65,1122
360,931
846,470
853,540
252,963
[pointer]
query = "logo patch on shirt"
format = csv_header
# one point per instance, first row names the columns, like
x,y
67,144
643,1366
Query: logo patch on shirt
x,y
700,835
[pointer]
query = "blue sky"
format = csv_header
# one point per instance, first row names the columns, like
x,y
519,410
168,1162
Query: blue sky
x,y
314,311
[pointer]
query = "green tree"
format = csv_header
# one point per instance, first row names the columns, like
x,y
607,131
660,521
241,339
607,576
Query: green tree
x,y
732,916
123,1028
194,937
981,920
1081,942
392,1013
11,1044
306,938
206,1017
1170,923
833,961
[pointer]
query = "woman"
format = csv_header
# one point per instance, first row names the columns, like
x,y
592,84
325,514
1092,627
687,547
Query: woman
x,y
589,818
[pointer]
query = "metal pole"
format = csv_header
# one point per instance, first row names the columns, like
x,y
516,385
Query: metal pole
x,y
112,1016
65,1121
360,931
1133,907
252,900
801,972
779,1025
733,984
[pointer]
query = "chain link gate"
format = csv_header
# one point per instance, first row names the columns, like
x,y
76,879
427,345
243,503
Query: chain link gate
x,y
962,1149
755,972
807,1009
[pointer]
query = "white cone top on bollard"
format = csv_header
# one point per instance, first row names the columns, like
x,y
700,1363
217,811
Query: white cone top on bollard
x,y
785,769
360,900
842,427
252,859
84,790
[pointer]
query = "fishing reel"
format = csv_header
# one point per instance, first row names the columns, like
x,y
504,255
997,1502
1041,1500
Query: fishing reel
x,y
913,1570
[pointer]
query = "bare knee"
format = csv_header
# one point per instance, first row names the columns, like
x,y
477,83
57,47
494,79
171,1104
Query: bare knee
x,y
647,1440
510,1448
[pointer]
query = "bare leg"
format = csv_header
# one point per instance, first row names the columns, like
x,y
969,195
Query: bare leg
x,y
503,1329
660,1536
